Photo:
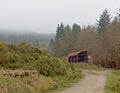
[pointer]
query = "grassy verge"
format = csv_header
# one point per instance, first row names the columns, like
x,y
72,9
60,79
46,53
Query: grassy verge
x,y
117,72
113,82
28,84
87,66
38,84
68,81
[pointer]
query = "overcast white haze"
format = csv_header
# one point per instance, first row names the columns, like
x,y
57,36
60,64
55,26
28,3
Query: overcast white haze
x,y
44,15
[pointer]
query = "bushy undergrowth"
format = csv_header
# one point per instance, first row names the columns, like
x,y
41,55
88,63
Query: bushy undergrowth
x,y
25,56
52,72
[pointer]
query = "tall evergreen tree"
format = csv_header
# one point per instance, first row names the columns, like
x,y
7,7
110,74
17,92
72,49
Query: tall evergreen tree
x,y
65,42
59,32
75,30
103,21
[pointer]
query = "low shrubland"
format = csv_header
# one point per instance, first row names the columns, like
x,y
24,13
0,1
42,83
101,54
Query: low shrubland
x,y
52,72
25,56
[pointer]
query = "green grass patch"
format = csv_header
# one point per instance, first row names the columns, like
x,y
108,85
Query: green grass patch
x,y
113,83
117,72
28,84
38,84
87,66
68,81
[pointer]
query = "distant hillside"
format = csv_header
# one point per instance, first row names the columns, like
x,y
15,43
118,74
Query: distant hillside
x,y
34,38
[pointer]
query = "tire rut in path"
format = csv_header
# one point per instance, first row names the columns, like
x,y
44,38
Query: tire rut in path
x,y
94,82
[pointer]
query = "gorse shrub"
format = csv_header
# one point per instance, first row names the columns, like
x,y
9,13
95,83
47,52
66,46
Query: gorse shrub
x,y
52,72
25,56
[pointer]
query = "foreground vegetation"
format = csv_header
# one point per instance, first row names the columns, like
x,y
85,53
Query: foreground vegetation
x,y
87,66
113,82
36,84
25,56
51,72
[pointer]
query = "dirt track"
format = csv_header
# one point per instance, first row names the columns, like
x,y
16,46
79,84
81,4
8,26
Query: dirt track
x,y
94,82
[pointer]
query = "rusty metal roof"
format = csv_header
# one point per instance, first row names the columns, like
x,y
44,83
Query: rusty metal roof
x,y
74,53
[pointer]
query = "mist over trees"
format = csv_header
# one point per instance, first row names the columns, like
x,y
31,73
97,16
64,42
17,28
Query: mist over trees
x,y
101,41
37,39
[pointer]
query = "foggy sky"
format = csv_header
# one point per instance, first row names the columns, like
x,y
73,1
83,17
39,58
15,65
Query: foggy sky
x,y
44,15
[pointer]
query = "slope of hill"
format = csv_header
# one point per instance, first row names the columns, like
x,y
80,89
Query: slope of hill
x,y
42,72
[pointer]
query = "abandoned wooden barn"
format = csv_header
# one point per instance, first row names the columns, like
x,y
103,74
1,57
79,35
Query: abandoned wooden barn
x,y
79,56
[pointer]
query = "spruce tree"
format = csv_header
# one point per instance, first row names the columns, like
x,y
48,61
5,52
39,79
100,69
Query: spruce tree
x,y
75,30
103,21
59,32
65,42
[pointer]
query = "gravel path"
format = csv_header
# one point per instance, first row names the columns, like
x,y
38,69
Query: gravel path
x,y
94,82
